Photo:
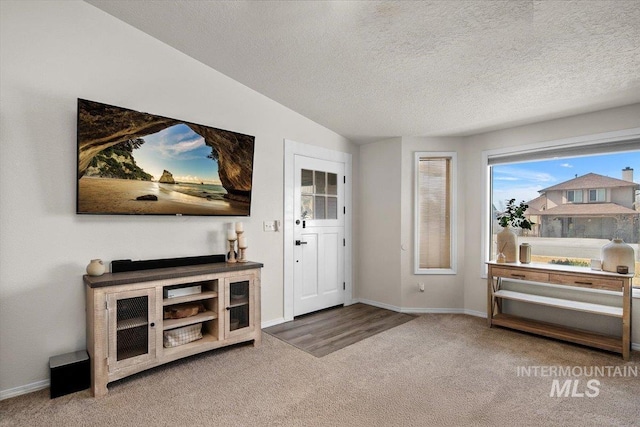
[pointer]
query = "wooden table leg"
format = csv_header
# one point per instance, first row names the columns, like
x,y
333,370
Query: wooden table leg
x,y
489,298
626,319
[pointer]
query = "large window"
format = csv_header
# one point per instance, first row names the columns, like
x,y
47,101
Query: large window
x,y
435,213
552,183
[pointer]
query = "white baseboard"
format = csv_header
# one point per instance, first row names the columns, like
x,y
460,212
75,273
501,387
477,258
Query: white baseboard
x,y
273,322
24,389
420,310
377,304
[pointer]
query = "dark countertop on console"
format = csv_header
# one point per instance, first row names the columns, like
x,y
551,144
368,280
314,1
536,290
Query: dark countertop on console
x,y
113,279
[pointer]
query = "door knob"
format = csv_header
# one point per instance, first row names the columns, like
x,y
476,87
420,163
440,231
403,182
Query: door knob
x,y
298,243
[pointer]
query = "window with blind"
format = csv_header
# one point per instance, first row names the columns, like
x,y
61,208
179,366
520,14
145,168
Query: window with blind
x,y
435,213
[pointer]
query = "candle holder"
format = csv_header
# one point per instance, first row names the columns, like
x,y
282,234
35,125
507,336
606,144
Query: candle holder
x,y
241,249
242,253
232,251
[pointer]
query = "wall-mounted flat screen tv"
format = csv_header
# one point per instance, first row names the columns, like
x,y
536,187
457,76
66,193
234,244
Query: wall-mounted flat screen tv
x,y
137,163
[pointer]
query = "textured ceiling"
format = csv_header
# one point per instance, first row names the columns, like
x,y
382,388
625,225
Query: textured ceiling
x,y
370,70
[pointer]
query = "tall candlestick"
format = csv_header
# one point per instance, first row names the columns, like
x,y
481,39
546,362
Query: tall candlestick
x,y
242,248
231,235
232,251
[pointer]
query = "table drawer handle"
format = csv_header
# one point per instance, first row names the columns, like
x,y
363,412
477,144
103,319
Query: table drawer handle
x,y
519,276
583,283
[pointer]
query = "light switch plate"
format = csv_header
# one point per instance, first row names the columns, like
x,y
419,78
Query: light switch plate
x,y
269,226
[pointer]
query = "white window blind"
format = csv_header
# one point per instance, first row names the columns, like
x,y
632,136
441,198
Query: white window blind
x,y
434,213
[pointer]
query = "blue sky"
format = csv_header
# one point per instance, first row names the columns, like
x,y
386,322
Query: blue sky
x,y
523,180
182,152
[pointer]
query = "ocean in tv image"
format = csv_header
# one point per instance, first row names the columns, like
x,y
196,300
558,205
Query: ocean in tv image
x,y
131,162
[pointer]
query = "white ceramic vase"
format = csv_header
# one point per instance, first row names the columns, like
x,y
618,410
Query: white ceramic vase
x,y
95,268
616,253
508,244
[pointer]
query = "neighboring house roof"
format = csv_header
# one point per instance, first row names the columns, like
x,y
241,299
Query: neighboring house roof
x,y
590,181
536,205
588,209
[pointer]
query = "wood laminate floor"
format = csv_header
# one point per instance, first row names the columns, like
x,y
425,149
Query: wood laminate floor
x,y
329,330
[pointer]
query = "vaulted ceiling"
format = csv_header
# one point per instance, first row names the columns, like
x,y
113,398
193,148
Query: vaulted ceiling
x,y
375,69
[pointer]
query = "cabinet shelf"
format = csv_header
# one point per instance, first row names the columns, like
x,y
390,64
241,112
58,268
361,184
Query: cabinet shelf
x,y
189,298
189,347
132,323
238,302
604,342
198,318
606,310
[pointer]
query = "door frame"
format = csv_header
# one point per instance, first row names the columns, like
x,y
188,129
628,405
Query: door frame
x,y
292,149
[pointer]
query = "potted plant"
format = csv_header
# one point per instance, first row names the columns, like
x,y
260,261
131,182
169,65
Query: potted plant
x,y
513,216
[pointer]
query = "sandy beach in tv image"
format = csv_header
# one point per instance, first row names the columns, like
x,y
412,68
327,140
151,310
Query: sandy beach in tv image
x,y
137,163
112,195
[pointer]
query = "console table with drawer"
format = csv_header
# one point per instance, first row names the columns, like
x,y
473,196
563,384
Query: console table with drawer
x,y
549,274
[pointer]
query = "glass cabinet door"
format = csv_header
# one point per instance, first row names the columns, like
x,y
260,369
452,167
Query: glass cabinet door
x,y
132,335
239,300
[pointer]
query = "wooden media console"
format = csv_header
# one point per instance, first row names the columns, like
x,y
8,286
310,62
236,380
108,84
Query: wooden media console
x,y
140,319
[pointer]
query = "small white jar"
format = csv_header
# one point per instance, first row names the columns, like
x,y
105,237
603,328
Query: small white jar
x,y
95,268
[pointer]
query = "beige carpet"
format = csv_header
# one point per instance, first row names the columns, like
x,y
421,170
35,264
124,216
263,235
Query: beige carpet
x,y
437,370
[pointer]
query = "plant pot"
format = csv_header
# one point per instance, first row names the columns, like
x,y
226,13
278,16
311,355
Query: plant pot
x,y
618,253
508,244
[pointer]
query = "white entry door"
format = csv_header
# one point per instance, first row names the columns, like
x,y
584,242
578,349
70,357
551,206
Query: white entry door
x,y
319,234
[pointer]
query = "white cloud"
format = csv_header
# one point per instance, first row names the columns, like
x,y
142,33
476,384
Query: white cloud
x,y
566,165
509,173
169,149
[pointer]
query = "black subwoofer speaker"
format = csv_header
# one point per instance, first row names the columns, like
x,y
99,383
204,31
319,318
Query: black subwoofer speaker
x,y
69,373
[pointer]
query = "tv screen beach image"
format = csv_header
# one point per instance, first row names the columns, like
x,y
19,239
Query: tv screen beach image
x,y
138,163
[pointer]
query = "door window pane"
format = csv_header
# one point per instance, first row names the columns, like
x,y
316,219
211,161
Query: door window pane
x,y
321,184
317,189
306,183
332,184
332,208
320,214
306,207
